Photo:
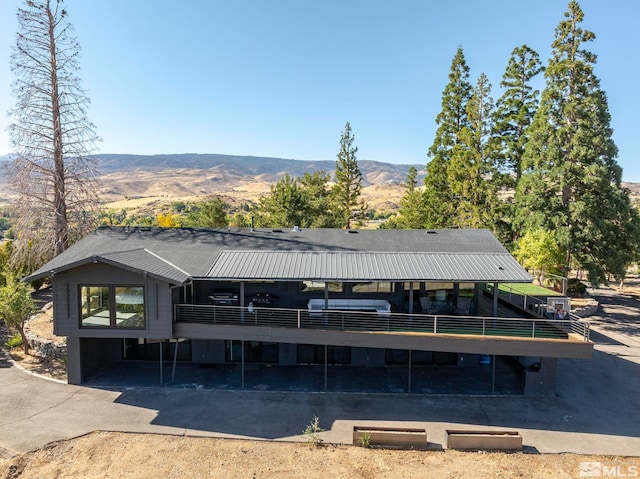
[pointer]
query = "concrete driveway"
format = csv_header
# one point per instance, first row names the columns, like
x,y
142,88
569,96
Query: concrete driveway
x,y
595,411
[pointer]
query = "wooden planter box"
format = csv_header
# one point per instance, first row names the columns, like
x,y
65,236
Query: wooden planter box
x,y
402,438
484,440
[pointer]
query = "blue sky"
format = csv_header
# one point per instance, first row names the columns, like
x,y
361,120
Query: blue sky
x,y
281,77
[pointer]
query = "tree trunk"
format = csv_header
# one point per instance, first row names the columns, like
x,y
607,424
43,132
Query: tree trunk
x,y
60,203
25,342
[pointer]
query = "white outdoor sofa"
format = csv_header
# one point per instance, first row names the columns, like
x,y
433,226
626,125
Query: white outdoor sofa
x,y
318,305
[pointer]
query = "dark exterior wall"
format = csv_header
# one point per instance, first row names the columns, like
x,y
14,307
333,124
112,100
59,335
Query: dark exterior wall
x,y
373,357
158,309
96,354
207,351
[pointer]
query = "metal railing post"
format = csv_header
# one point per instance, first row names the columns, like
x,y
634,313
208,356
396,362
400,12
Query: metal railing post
x,y
435,325
484,326
298,319
533,328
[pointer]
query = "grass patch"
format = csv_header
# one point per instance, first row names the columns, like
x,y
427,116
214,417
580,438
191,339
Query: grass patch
x,y
529,289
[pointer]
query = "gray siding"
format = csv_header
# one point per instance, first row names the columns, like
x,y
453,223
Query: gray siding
x,y
158,310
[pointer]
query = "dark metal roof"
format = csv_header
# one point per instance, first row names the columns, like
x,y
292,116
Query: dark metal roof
x,y
179,253
377,266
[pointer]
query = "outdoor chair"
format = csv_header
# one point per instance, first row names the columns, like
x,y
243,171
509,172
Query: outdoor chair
x,y
427,305
464,305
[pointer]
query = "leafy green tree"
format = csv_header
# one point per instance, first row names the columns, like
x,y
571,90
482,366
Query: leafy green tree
x,y
539,251
517,106
16,306
440,202
347,190
571,182
209,214
472,174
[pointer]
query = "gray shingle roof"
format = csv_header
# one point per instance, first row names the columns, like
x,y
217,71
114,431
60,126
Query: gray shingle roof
x,y
180,253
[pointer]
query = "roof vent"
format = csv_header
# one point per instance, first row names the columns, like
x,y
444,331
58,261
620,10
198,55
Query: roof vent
x,y
352,231
276,231
432,232
296,228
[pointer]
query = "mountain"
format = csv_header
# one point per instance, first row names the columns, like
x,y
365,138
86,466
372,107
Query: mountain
x,y
374,172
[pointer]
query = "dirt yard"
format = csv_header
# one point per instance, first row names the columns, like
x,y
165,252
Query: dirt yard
x,y
108,454
104,454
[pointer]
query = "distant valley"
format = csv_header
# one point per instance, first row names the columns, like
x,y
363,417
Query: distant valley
x,y
150,183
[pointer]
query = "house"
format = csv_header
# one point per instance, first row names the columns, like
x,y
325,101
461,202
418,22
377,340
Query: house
x,y
292,296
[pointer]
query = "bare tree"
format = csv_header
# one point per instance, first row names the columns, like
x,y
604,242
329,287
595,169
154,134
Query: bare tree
x,y
53,173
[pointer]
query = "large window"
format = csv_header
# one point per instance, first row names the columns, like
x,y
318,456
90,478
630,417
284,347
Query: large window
x,y
372,287
254,351
314,354
311,286
112,307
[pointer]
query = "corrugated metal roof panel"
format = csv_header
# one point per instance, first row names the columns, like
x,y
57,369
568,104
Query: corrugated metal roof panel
x,y
377,266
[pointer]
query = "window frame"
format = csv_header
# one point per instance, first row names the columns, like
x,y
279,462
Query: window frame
x,y
112,307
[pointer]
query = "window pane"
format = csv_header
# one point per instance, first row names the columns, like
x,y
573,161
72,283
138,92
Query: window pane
x,y
94,302
333,286
371,287
129,307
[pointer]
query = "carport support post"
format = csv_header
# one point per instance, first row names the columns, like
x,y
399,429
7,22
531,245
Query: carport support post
x,y
326,360
495,299
409,385
161,343
175,359
493,375
242,365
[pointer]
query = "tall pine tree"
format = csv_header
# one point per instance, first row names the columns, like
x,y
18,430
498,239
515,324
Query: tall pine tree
x,y
517,106
346,199
411,211
440,203
473,178
571,181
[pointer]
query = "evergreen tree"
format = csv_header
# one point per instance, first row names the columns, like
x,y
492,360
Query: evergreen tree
x,y
411,213
285,206
473,178
517,106
440,202
317,194
347,189
571,183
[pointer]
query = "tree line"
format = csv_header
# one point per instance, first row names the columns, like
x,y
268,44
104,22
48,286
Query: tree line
x,y
554,150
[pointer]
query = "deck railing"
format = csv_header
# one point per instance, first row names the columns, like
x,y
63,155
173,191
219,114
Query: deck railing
x,y
371,321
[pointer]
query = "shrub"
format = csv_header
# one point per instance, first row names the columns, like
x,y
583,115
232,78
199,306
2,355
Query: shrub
x,y
575,287
14,342
312,431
